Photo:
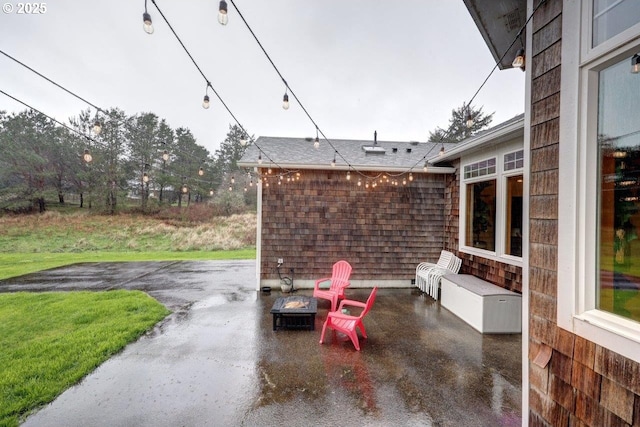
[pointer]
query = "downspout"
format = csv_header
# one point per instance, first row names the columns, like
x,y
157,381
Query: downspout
x,y
259,236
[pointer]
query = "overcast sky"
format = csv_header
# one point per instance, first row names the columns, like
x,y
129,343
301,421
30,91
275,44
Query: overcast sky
x,y
357,66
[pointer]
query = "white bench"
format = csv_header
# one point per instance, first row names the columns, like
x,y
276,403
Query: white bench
x,y
486,307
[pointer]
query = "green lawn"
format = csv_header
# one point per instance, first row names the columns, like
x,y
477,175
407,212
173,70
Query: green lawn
x,y
51,340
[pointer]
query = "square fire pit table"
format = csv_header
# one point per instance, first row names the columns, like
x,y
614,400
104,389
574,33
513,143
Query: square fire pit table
x,y
297,312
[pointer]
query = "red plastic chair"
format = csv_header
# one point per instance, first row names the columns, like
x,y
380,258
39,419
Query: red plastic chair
x,y
348,324
339,280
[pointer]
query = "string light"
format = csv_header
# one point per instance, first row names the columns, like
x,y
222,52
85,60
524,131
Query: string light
x,y
285,100
201,171
165,155
87,156
410,176
145,177
468,118
222,13
518,62
635,64
333,162
348,175
205,100
147,24
97,127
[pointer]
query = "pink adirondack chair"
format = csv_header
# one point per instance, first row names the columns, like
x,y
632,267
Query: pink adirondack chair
x,y
348,324
339,280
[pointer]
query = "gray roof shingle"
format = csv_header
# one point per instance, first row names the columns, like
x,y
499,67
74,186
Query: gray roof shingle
x,y
300,152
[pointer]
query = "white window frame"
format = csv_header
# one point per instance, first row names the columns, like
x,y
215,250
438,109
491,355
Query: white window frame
x,y
500,176
578,184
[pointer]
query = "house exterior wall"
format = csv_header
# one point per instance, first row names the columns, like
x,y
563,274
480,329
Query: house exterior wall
x,y
383,232
583,384
504,275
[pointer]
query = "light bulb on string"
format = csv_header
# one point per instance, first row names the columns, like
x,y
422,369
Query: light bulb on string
x,y
145,177
165,155
635,64
316,143
348,175
469,118
97,127
285,101
222,13
205,102
201,171
233,180
243,142
333,162
211,192
147,24
518,62
404,181
87,156
426,167
441,153
260,158
410,176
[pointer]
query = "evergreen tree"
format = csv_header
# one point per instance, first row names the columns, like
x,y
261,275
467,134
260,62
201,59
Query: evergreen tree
x,y
458,129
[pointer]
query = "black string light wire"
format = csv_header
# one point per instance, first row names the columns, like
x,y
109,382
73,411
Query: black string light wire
x,y
97,108
209,85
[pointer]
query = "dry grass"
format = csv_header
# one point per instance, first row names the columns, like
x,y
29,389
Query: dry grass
x,y
83,232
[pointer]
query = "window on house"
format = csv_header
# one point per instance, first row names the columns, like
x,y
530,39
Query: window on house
x,y
481,215
618,290
598,272
513,214
611,17
492,206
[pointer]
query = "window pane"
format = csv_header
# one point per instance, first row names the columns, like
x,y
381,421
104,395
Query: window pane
x,y
481,215
611,17
619,168
513,244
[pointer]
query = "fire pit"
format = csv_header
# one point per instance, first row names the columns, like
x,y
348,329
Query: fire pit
x,y
298,312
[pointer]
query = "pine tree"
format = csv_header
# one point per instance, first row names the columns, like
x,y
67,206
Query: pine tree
x,y
458,129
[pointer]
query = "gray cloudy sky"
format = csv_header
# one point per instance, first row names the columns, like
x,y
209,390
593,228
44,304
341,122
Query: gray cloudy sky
x,y
357,66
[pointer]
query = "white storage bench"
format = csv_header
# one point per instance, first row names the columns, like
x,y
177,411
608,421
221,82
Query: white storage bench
x,y
486,307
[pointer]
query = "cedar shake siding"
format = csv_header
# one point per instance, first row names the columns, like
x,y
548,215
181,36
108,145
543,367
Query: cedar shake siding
x,y
383,232
583,384
501,274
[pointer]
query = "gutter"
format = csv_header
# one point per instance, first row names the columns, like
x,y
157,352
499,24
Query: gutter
x,y
362,168
493,136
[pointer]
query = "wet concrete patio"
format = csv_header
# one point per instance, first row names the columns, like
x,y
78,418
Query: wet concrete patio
x,y
215,361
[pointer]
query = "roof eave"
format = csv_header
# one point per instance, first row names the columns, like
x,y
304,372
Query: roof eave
x,y
360,168
491,137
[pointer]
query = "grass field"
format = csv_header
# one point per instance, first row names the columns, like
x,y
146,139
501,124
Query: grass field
x,y
30,243
52,340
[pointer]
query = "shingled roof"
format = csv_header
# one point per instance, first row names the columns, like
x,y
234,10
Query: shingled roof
x,y
299,153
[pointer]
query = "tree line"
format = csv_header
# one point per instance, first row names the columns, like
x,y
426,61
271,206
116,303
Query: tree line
x,y
136,157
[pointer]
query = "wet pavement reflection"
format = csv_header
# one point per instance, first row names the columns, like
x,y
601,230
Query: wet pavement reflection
x,y
215,361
